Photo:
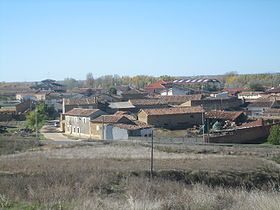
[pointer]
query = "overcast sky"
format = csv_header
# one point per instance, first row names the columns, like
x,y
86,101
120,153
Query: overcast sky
x,y
69,38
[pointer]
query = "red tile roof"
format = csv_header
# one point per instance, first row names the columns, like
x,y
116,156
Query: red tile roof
x,y
82,112
226,115
255,123
173,110
233,89
132,127
141,102
157,85
272,111
110,119
80,101
179,98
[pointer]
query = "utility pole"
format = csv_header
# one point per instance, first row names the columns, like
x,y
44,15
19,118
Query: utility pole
x,y
103,127
152,155
202,121
36,121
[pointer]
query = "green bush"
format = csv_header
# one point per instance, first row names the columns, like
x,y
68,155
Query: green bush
x,y
274,135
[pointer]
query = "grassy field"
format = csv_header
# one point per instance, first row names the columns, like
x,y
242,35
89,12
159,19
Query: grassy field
x,y
116,176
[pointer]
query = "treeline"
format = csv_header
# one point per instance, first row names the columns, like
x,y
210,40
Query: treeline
x,y
228,80
249,81
108,81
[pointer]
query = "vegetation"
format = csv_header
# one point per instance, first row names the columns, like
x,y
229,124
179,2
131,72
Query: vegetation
x,y
116,176
256,87
89,80
39,116
233,80
274,136
13,144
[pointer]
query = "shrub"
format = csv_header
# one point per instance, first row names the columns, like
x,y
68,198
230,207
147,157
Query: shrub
x,y
274,135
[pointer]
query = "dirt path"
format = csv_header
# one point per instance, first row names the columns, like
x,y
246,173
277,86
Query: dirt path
x,y
53,133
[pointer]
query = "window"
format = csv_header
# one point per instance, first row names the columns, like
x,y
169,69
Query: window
x,y
74,130
97,128
84,119
78,130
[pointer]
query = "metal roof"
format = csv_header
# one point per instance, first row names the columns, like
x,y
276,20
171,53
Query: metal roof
x,y
195,80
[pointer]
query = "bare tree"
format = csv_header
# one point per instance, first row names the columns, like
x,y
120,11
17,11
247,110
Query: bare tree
x,y
89,80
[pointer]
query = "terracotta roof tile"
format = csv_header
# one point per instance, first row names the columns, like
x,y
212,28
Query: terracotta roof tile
x,y
272,111
81,112
174,110
226,115
261,103
255,123
131,127
109,119
140,102
157,85
80,101
179,98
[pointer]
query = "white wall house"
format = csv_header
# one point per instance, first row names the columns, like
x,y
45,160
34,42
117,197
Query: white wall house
x,y
175,90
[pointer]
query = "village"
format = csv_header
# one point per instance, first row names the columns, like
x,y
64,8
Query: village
x,y
163,109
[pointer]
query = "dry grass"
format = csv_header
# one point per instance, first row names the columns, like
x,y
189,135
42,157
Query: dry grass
x,y
116,177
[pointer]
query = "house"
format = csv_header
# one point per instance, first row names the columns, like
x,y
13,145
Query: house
x,y
233,91
120,106
133,94
87,92
148,103
77,121
17,107
32,95
173,117
10,110
273,90
258,107
254,132
220,95
86,103
156,88
49,85
250,95
215,103
272,113
103,127
174,90
176,100
238,117
120,89
124,131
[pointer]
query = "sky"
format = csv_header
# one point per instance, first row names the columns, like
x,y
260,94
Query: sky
x,y
61,39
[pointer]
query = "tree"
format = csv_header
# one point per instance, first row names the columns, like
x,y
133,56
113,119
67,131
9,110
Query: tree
x,y
274,135
42,113
256,86
71,83
89,80
112,91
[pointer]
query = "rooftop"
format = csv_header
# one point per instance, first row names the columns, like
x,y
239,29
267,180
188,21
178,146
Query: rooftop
x,y
109,119
227,115
157,85
261,103
80,101
132,127
173,110
82,112
178,98
121,105
141,102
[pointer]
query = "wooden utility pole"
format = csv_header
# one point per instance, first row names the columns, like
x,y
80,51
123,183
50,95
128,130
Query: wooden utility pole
x,y
152,155
36,121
